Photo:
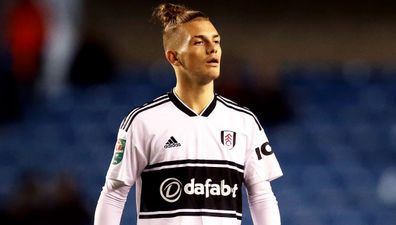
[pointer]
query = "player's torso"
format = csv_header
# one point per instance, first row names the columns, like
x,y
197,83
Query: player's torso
x,y
195,166
195,138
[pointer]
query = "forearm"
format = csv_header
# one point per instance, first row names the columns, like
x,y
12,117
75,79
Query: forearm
x,y
111,203
263,205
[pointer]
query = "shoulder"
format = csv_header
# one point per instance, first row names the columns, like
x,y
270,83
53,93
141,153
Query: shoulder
x,y
157,102
239,109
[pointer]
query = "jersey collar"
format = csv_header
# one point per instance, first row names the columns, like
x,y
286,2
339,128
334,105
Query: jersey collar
x,y
183,107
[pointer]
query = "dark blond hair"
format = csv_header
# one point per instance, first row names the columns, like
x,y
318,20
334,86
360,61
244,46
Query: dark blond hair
x,y
171,16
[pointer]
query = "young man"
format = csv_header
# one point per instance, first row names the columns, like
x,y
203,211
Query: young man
x,y
189,151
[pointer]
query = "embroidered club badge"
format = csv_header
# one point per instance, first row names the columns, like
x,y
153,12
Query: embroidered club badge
x,y
118,151
228,139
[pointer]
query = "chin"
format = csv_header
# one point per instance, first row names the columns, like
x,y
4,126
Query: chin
x,y
213,75
210,77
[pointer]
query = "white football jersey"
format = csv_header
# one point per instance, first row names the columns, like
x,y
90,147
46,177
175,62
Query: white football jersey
x,y
189,168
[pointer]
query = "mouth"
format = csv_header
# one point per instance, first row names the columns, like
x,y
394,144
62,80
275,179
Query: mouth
x,y
213,62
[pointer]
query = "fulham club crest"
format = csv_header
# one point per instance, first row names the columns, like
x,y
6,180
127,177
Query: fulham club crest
x,y
228,139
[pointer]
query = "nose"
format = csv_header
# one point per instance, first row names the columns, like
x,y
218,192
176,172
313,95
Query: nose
x,y
211,48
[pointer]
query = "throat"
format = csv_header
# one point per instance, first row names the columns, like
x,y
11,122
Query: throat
x,y
196,102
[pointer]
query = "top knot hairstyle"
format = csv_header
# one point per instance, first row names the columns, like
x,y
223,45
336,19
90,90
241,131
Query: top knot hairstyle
x,y
171,15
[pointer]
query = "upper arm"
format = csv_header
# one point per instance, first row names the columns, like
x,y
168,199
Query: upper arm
x,y
128,159
261,163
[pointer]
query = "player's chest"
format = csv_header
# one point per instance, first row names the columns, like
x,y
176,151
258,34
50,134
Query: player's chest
x,y
196,139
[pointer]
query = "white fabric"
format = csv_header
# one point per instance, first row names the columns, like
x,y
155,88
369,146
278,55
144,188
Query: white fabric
x,y
263,204
200,140
111,203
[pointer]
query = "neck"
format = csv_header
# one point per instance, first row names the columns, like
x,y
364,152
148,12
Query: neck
x,y
196,97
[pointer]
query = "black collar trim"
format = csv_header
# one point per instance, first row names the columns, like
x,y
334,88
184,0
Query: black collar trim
x,y
188,111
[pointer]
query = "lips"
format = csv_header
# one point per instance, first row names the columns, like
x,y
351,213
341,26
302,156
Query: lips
x,y
213,61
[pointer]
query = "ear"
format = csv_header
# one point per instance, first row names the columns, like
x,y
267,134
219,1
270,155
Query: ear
x,y
171,56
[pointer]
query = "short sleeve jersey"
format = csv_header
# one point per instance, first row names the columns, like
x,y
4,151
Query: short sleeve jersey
x,y
189,168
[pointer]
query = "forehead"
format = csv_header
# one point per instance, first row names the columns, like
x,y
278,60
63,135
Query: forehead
x,y
199,27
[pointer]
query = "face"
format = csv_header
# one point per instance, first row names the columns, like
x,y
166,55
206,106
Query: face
x,y
199,54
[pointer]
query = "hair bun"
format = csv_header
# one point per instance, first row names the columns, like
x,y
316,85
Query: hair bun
x,y
170,14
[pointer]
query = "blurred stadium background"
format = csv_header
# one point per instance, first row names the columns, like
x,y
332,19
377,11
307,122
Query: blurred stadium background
x,y
321,76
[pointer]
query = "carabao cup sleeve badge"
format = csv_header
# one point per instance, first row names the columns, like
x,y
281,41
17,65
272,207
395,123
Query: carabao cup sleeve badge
x,y
119,151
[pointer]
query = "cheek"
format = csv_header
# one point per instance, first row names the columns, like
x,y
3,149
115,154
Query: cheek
x,y
192,60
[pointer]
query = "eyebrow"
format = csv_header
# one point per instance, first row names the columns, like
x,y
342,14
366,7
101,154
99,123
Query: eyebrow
x,y
204,37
